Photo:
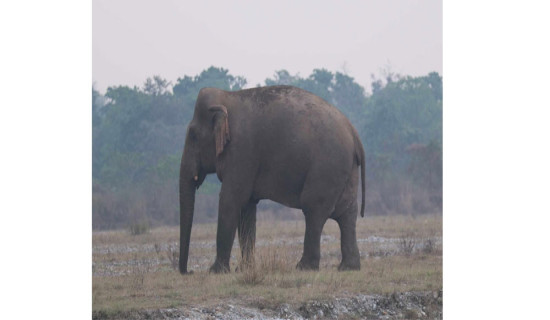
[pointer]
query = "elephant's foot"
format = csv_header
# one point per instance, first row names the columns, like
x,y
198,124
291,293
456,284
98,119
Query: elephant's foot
x,y
219,267
183,269
307,265
350,265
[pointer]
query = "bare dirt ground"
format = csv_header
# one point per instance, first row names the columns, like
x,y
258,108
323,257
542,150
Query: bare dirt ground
x,y
408,305
400,278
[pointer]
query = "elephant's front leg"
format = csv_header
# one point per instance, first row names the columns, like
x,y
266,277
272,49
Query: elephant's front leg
x,y
228,217
247,234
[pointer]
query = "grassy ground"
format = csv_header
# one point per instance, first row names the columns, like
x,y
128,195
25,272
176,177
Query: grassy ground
x,y
132,272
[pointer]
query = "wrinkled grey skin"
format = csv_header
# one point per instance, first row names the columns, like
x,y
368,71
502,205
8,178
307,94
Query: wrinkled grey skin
x,y
279,143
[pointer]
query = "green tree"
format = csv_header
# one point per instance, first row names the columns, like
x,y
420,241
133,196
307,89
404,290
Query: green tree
x,y
211,77
282,77
402,113
156,86
338,89
187,88
349,97
138,135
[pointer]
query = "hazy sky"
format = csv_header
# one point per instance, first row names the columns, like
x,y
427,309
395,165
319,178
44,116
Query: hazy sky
x,y
133,40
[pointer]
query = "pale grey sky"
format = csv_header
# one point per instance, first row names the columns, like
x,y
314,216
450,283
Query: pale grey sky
x,y
133,40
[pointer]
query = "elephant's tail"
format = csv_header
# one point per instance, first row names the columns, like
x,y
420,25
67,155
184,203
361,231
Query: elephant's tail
x,y
360,156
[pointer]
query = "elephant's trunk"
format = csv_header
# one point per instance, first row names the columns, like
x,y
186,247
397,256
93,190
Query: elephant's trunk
x,y
187,185
187,206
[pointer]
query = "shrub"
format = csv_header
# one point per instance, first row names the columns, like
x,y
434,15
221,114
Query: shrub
x,y
251,275
406,244
173,256
139,228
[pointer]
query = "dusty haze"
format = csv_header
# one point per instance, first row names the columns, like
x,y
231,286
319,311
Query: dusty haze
x,y
133,40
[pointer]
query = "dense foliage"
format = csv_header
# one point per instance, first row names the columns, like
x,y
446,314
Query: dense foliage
x,y
138,136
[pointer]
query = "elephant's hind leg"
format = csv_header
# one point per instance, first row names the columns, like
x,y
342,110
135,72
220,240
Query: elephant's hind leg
x,y
318,199
312,241
346,216
247,234
348,242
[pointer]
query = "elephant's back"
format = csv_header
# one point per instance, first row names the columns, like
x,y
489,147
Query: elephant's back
x,y
290,98
290,104
289,116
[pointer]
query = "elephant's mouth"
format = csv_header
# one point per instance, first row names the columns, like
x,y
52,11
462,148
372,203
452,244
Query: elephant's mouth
x,y
198,178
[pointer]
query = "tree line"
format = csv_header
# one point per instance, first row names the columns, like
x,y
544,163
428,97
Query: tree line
x,y
138,135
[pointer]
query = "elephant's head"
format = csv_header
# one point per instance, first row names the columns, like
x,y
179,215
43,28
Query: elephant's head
x,y
207,136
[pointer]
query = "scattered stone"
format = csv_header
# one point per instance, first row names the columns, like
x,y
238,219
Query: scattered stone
x,y
406,305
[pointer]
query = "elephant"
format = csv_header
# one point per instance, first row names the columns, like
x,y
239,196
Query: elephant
x,y
280,143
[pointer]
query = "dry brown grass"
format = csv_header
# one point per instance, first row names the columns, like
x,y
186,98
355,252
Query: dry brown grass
x,y
133,272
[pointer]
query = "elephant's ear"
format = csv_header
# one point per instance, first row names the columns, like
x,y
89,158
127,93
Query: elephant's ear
x,y
221,127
